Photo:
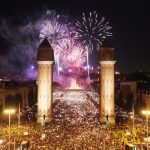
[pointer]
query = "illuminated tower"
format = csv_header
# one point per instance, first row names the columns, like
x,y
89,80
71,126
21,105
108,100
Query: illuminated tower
x,y
107,61
45,59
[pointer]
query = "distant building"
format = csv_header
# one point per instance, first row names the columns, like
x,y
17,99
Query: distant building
x,y
12,93
134,88
128,89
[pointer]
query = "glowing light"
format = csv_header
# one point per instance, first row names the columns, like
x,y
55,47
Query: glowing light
x,y
74,85
69,70
85,67
11,111
32,67
60,69
117,72
146,112
1,141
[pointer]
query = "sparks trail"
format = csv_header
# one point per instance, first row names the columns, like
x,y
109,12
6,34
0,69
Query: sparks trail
x,y
92,30
73,54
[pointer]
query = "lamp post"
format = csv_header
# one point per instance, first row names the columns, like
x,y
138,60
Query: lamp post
x,y
19,116
9,112
133,123
146,112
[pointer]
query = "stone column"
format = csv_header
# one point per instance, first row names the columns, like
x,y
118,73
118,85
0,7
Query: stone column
x,y
45,73
107,92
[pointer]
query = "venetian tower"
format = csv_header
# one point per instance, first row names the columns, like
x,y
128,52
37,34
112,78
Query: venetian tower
x,y
45,59
106,90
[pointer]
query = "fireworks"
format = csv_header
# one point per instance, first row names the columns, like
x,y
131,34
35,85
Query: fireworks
x,y
54,27
54,31
76,57
92,30
69,41
73,54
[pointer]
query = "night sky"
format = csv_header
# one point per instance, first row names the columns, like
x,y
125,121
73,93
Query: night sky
x,y
130,21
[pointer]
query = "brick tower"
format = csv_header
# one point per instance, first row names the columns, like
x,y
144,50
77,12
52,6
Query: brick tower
x,y
106,90
45,59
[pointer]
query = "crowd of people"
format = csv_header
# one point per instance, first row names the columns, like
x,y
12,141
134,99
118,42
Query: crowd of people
x,y
71,137
75,126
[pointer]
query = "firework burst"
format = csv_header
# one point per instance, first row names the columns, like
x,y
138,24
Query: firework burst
x,y
92,30
74,54
54,31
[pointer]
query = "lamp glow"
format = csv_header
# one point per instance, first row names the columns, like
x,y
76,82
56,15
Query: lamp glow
x,y
9,111
146,112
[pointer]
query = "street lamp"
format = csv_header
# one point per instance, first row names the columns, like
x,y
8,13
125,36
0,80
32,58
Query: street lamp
x,y
146,112
19,116
9,112
133,123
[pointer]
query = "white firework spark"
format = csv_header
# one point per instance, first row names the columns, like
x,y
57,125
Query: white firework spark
x,y
92,30
54,31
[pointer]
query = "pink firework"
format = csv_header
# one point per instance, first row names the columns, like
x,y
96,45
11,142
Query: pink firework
x,y
73,55
54,31
64,44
